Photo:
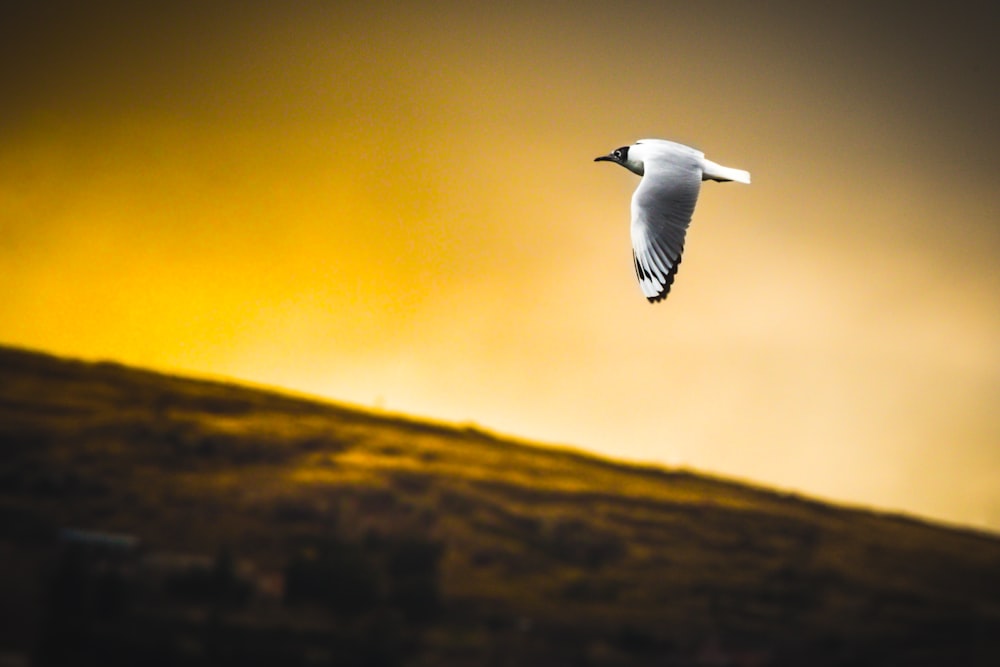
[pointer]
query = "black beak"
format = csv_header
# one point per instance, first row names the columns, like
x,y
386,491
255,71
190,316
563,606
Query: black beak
x,y
606,158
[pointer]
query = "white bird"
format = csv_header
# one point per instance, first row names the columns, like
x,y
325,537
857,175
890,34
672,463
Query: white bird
x,y
663,203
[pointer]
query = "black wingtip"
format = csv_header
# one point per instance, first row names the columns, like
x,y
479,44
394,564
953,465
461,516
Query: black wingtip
x,y
662,295
639,271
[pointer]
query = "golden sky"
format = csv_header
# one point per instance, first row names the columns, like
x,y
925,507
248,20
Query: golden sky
x,y
398,207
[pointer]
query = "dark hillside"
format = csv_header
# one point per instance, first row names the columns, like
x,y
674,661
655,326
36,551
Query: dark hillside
x,y
157,520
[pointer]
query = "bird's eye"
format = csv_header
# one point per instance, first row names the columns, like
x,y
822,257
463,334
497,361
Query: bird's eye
x,y
618,154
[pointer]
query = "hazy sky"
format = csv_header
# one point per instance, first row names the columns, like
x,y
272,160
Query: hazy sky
x,y
399,207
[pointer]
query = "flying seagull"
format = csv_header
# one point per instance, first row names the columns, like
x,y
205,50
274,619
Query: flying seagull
x,y
663,203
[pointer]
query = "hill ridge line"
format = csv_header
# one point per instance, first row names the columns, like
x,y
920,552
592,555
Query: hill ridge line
x,y
20,357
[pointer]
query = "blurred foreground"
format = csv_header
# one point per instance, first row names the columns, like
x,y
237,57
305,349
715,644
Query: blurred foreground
x,y
153,520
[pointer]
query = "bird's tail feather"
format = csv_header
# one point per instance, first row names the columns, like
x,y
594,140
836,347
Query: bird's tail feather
x,y
717,172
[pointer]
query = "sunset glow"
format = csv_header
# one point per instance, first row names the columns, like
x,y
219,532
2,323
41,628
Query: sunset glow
x,y
399,209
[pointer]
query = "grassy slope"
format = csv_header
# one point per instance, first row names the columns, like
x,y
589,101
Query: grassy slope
x,y
609,559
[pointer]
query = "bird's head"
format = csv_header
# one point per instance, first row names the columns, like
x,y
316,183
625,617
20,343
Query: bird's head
x,y
623,157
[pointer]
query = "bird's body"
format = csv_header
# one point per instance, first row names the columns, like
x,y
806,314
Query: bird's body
x,y
663,204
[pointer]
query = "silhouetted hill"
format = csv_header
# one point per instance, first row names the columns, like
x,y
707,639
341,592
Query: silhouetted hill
x,y
156,520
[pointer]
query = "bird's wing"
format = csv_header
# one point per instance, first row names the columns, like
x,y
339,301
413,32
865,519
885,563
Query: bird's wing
x,y
661,211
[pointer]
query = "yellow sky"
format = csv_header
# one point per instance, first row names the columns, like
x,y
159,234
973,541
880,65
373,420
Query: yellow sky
x,y
399,207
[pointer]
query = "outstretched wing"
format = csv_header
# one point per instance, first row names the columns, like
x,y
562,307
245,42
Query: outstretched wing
x,y
661,212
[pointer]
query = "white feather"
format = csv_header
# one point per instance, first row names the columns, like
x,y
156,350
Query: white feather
x,y
663,204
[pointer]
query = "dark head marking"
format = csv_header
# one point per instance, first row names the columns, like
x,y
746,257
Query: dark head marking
x,y
618,156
